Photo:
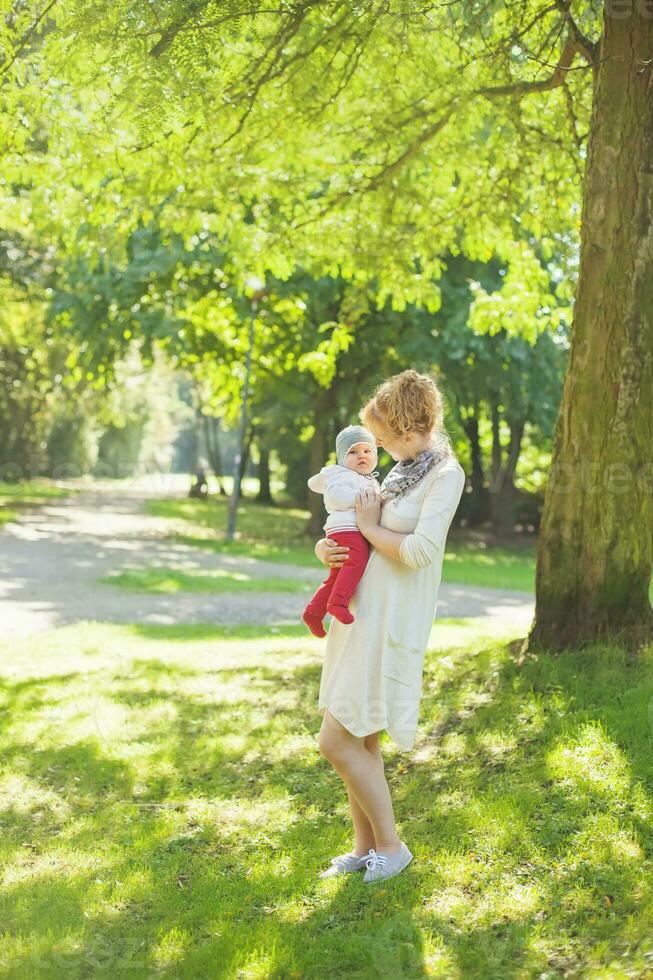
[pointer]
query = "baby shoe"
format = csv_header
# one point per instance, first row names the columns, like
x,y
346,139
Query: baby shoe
x,y
343,864
382,866
341,613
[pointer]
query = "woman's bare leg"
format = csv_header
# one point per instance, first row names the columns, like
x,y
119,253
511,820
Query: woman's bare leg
x,y
362,772
363,833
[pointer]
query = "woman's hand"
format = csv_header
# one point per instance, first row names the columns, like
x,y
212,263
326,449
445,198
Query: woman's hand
x,y
331,553
368,508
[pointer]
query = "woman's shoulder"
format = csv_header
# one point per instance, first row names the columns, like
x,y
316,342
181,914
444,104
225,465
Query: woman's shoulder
x,y
448,468
445,465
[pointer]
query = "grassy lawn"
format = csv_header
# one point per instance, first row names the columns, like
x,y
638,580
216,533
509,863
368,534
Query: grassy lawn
x,y
165,812
277,534
269,533
214,580
15,496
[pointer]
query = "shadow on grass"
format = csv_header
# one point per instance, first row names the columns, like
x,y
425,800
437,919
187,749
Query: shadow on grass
x,y
189,840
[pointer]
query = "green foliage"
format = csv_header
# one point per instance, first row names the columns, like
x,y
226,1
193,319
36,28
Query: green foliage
x,y
364,142
351,157
70,446
525,305
24,385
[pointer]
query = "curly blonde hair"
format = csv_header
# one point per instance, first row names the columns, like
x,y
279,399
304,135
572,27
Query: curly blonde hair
x,y
405,403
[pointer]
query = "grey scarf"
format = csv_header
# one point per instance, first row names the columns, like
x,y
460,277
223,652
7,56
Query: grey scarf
x,y
407,473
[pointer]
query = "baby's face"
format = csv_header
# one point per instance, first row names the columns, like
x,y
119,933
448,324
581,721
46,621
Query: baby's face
x,y
361,458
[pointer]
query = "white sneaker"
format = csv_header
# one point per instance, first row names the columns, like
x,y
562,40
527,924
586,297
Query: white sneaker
x,y
344,864
382,866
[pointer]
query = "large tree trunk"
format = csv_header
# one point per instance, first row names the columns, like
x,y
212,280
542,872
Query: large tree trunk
x,y
596,539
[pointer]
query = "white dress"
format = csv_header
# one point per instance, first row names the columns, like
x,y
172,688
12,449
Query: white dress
x,y
372,671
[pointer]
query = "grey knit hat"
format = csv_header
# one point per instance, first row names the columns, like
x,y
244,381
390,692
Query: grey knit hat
x,y
349,437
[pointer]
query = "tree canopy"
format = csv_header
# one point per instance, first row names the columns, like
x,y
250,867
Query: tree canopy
x,y
358,140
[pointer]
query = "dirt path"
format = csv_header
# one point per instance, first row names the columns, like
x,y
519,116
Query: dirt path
x,y
53,556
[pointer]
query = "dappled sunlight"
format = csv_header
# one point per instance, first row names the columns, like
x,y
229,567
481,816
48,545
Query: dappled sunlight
x,y
517,901
24,795
169,950
591,762
474,902
230,233
109,898
177,791
285,526
55,863
454,745
302,747
450,802
497,745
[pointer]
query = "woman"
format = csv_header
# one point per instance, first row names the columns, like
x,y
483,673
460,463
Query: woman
x,y
372,672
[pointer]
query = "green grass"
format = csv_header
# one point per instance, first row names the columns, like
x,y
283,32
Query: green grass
x,y
171,580
496,567
15,496
270,533
165,812
252,549
278,534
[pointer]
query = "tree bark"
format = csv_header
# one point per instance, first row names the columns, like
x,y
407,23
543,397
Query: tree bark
x,y
495,467
596,540
264,490
479,508
318,454
247,448
502,502
213,448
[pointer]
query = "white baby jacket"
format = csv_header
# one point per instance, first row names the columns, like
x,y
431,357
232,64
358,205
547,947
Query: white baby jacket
x,y
340,486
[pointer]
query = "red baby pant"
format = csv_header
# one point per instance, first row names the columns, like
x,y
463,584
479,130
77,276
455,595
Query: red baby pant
x,y
339,587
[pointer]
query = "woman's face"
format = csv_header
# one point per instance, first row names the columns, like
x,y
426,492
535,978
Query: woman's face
x,y
397,447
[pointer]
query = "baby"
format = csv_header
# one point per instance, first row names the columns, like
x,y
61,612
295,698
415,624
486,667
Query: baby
x,y
356,454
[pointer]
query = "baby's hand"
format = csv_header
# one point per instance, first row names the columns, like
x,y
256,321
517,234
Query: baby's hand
x,y
368,508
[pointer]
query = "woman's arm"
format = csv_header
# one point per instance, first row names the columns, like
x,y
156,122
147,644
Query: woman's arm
x,y
386,541
368,515
420,547
438,507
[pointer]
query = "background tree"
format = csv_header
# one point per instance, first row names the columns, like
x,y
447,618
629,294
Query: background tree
x,y
369,142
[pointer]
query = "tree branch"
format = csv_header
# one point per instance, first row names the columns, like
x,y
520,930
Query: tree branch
x,y
554,80
174,28
589,49
427,134
26,36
